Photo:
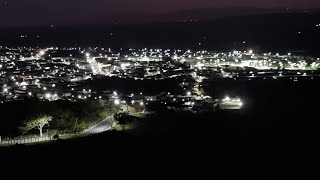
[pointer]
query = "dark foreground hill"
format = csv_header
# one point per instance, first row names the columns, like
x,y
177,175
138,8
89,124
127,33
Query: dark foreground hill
x,y
274,137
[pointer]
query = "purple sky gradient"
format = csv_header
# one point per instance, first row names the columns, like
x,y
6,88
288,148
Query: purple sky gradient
x,y
42,12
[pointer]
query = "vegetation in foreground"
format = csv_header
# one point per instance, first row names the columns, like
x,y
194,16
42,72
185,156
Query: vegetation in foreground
x,y
42,117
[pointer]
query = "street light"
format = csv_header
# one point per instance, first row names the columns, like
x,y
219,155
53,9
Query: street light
x,y
240,104
42,52
188,93
48,95
116,101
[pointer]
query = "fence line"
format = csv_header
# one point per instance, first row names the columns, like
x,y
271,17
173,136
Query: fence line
x,y
9,141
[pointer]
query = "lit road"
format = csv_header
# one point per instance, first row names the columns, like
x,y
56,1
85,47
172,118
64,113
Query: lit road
x,y
104,125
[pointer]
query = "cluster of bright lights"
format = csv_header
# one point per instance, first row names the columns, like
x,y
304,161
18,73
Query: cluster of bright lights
x,y
201,60
229,100
190,103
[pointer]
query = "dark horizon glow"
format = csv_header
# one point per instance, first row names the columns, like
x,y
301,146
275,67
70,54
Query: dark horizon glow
x,y
46,12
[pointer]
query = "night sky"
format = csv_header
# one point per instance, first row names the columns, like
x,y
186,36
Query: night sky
x,y
63,12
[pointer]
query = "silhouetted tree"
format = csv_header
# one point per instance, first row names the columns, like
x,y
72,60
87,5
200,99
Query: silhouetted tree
x,y
123,119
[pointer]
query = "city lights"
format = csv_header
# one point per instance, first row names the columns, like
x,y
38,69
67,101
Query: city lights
x,y
188,69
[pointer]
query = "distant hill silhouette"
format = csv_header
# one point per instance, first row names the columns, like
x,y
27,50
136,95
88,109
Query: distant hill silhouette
x,y
280,32
216,13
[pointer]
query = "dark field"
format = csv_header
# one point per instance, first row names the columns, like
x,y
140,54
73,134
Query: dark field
x,y
275,133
